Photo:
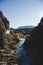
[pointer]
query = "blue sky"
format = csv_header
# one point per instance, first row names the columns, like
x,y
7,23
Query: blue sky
x,y
22,12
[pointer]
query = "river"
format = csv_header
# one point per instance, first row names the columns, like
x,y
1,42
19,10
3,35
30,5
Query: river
x,y
21,57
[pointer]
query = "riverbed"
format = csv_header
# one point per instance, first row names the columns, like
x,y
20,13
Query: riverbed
x,y
21,57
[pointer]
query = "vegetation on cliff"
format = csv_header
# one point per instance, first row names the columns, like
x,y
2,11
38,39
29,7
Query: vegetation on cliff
x,y
7,35
8,39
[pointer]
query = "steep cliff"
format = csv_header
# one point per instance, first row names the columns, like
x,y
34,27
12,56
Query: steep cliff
x,y
34,45
4,20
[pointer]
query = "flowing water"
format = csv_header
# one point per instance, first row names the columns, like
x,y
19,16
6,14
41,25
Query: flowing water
x,y
21,57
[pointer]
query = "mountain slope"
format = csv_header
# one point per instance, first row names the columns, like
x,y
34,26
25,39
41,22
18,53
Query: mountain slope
x,y
24,28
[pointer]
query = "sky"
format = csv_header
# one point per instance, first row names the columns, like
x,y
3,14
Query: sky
x,y
22,12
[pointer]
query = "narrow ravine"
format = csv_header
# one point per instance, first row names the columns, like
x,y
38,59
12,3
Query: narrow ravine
x,y
21,57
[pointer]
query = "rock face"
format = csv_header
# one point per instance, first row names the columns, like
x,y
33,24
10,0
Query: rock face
x,y
41,22
4,25
7,36
34,45
2,29
4,20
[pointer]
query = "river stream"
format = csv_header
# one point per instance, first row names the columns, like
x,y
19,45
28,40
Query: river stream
x,y
22,58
